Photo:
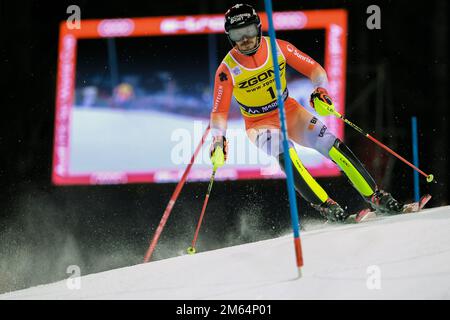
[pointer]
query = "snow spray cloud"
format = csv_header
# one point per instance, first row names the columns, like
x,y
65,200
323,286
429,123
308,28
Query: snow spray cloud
x,y
221,228
39,245
34,248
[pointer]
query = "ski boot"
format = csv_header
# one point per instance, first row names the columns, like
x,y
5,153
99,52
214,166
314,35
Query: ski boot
x,y
331,210
383,202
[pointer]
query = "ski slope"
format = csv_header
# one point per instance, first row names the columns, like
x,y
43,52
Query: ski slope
x,y
410,254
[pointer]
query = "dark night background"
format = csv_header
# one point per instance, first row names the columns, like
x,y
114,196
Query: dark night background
x,y
401,68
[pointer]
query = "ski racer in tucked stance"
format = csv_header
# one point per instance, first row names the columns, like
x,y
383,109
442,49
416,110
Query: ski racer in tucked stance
x,y
246,73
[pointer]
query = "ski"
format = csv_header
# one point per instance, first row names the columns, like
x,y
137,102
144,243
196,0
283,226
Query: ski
x,y
368,214
360,216
417,206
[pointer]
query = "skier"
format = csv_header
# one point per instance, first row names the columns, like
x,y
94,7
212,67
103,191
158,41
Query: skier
x,y
246,73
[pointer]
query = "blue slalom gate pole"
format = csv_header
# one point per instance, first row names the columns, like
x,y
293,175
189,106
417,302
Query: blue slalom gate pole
x,y
287,162
415,149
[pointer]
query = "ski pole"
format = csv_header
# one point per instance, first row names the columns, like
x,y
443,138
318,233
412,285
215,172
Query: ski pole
x,y
173,199
218,153
429,177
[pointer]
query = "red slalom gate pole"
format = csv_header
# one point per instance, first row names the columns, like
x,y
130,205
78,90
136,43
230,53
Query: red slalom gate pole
x,y
173,199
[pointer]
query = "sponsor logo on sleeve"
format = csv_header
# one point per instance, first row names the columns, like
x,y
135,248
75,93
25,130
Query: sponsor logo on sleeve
x,y
218,98
299,55
223,76
312,123
322,131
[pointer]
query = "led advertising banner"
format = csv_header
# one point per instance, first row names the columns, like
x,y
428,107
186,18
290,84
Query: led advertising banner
x,y
134,96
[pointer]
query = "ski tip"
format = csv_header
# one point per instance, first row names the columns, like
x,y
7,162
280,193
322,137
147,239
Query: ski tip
x,y
418,205
424,200
359,216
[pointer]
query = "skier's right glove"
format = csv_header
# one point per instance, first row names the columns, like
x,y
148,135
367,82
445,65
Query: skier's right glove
x,y
218,151
321,102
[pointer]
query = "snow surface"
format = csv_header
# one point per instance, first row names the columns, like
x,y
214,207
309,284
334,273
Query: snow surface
x,y
411,251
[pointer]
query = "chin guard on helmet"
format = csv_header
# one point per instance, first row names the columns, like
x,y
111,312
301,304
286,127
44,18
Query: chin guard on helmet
x,y
239,16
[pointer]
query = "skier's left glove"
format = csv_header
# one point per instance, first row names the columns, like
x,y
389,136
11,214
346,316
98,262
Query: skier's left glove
x,y
321,102
218,151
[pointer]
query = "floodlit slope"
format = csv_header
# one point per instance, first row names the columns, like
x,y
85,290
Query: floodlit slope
x,y
411,253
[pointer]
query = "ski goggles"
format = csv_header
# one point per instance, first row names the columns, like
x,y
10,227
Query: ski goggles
x,y
238,34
